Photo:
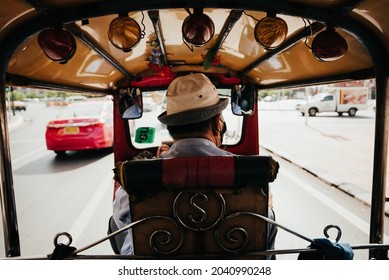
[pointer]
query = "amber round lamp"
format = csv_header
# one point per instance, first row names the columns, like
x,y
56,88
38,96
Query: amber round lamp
x,y
270,32
124,33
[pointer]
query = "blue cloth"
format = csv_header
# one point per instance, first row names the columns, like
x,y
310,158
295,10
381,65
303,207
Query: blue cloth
x,y
328,251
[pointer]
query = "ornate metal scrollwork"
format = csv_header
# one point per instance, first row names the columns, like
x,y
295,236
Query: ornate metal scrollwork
x,y
240,243
230,233
197,217
161,240
232,237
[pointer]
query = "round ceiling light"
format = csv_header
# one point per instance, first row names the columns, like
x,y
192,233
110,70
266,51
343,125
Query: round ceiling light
x,y
270,32
198,29
57,44
124,33
329,45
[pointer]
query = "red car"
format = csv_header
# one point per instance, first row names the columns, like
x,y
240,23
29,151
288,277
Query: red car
x,y
81,126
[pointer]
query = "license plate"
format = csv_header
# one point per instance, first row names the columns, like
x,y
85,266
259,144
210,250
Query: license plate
x,y
71,130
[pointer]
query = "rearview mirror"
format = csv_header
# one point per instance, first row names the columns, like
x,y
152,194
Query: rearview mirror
x,y
130,103
242,100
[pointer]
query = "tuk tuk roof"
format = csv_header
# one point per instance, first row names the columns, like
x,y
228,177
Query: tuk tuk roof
x,y
98,66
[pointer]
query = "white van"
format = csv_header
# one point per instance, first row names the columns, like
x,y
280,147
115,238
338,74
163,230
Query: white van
x,y
338,99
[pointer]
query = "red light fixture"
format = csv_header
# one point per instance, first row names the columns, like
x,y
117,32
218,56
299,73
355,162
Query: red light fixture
x,y
198,28
124,33
329,45
57,44
270,31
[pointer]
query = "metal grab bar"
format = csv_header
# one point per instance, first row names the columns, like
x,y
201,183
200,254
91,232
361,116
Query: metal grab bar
x,y
268,252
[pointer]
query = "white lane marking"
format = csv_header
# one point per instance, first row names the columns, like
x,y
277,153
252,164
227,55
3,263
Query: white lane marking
x,y
27,158
28,155
339,209
89,210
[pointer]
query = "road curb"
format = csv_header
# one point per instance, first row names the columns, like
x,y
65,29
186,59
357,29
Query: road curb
x,y
350,189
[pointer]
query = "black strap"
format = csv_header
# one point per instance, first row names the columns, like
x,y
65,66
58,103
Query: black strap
x,y
61,251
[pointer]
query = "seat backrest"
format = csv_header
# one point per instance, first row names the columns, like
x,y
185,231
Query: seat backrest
x,y
198,206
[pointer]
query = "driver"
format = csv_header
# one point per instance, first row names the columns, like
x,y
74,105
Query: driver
x,y
194,117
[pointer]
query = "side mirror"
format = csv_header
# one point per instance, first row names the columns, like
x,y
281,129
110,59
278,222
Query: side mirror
x,y
242,100
130,103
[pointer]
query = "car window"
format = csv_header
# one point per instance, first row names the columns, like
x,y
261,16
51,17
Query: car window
x,y
328,98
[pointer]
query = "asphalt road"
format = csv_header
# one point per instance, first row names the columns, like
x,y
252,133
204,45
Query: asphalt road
x,y
54,194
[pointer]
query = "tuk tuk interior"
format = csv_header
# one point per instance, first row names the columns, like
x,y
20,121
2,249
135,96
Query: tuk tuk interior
x,y
135,49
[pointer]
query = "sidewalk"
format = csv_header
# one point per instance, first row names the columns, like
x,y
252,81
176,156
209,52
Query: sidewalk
x,y
14,121
341,157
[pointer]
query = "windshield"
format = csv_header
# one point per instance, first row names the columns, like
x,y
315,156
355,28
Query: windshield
x,y
154,103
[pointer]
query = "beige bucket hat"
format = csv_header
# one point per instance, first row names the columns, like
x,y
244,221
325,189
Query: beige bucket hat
x,y
191,99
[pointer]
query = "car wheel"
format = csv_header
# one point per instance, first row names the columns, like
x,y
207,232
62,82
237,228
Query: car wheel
x,y
312,112
352,112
